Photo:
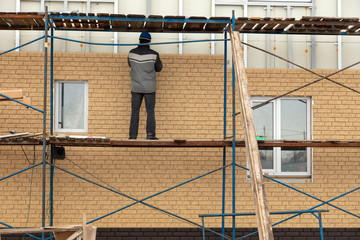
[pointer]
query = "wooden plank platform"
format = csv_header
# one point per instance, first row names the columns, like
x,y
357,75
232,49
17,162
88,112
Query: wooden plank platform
x,y
155,23
93,142
38,230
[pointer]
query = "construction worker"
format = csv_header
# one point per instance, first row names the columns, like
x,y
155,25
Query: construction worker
x,y
144,63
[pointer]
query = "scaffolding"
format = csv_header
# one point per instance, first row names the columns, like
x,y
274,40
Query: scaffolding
x,y
103,22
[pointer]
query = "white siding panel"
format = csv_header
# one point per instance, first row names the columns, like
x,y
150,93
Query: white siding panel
x,y
351,51
326,55
197,8
132,7
301,47
7,6
350,8
101,37
163,7
196,48
7,40
326,8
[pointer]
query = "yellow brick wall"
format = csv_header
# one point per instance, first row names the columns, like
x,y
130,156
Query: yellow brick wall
x,y
189,106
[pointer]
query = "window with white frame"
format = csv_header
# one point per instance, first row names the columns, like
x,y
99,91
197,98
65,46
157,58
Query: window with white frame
x,y
284,119
71,106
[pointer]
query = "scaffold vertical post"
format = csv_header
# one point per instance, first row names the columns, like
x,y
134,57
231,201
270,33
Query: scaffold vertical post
x,y
320,227
52,126
233,141
224,148
44,121
318,216
203,227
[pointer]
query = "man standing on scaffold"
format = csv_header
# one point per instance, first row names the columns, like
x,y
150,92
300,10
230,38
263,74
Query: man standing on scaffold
x,y
144,63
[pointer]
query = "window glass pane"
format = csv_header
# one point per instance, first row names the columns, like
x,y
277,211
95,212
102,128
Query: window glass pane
x,y
293,127
263,119
72,103
267,157
293,119
293,159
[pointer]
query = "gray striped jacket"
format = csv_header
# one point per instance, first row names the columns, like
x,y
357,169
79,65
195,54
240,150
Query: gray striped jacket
x,y
144,63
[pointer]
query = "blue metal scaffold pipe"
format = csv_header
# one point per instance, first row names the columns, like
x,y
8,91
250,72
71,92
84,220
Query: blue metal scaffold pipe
x,y
137,19
51,197
26,105
23,45
136,44
225,125
44,121
136,201
233,141
307,194
21,171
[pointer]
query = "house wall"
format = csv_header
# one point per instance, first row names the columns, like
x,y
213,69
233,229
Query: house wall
x,y
189,106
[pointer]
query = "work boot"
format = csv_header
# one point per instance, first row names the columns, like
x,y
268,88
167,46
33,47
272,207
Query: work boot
x,y
151,138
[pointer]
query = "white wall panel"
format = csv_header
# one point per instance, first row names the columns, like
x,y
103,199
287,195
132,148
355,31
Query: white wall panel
x,y
163,7
7,37
326,8
7,40
226,11
219,46
350,8
55,6
301,48
279,46
30,6
81,36
351,51
132,7
26,36
128,38
278,43
326,55
165,37
7,6
197,8
299,12
256,58
302,51
58,43
196,48
101,37
73,46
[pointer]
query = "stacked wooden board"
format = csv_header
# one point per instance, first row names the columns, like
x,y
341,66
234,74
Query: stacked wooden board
x,y
156,23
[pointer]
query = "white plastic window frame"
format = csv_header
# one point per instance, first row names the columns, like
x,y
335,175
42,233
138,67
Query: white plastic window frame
x,y
276,171
57,109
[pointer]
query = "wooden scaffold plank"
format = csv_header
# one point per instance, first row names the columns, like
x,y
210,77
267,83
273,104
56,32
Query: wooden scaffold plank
x,y
14,94
260,202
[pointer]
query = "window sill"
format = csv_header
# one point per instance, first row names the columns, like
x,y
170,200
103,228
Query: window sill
x,y
285,179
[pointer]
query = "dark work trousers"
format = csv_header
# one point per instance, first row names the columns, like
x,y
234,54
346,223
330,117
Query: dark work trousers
x,y
136,99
